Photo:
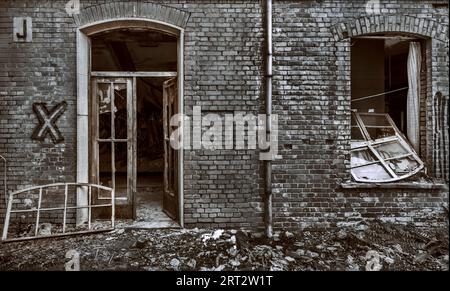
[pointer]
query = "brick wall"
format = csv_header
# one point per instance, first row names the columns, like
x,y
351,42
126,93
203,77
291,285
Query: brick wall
x,y
312,73
41,71
224,45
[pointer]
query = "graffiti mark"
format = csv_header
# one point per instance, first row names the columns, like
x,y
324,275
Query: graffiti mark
x,y
47,122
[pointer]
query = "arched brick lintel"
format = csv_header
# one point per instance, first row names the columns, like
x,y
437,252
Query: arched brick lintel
x,y
132,9
390,24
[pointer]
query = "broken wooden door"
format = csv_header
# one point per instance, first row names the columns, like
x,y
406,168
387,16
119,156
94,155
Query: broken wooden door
x,y
170,108
113,141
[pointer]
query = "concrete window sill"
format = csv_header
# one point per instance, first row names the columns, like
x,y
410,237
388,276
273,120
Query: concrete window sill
x,y
399,185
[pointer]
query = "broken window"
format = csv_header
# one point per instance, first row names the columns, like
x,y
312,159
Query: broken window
x,y
380,153
386,77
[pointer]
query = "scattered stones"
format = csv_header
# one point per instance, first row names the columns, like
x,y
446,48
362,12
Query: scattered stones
x,y
312,254
235,263
175,263
257,235
342,234
220,268
289,259
192,263
140,243
289,234
45,229
393,247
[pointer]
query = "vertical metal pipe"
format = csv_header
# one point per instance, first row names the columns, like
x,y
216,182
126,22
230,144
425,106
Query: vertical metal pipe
x,y
4,181
268,164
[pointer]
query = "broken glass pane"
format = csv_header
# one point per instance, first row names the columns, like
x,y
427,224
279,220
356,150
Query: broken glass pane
x,y
379,133
391,150
378,126
120,111
397,155
362,157
104,110
105,166
357,134
375,120
371,173
121,162
404,166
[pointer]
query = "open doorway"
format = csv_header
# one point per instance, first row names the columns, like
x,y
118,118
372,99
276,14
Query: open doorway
x,y
134,87
151,152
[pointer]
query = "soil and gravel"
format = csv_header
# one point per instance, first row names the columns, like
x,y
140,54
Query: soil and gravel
x,y
374,246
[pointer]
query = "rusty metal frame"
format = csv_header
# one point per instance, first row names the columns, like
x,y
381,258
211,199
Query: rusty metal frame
x,y
38,210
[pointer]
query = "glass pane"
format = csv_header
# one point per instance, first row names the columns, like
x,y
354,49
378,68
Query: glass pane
x,y
375,120
403,166
120,111
391,150
104,110
362,157
105,166
378,133
121,160
356,131
371,173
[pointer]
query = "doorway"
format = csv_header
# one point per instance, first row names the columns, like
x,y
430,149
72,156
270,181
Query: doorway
x,y
134,88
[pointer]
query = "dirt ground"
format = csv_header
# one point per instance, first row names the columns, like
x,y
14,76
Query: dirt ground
x,y
375,246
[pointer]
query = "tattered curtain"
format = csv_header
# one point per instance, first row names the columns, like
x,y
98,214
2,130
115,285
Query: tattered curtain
x,y
413,103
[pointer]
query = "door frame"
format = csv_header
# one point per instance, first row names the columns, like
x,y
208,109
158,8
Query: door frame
x,y
84,75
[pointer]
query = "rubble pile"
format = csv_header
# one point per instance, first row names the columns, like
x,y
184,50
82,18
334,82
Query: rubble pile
x,y
375,247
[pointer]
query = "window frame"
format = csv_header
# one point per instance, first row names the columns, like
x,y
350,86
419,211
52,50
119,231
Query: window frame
x,y
369,144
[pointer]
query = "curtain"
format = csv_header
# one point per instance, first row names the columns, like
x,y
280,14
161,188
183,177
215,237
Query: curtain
x,y
413,103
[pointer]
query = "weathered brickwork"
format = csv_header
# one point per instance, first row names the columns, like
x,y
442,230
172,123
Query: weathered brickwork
x,y
224,73
313,82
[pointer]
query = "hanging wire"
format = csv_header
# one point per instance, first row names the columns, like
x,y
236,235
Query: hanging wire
x,y
381,94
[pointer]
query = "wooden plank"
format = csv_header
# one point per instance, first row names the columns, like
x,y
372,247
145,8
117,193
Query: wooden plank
x,y
170,198
130,134
113,136
94,136
169,74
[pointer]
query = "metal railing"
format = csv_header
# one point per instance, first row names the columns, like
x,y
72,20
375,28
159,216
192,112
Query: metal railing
x,y
38,210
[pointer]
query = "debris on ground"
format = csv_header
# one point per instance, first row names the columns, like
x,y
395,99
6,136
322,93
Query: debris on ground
x,y
377,246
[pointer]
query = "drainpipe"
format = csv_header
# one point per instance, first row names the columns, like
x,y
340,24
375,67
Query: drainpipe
x,y
4,181
268,163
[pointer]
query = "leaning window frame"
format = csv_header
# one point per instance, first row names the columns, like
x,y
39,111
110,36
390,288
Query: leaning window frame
x,y
369,144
